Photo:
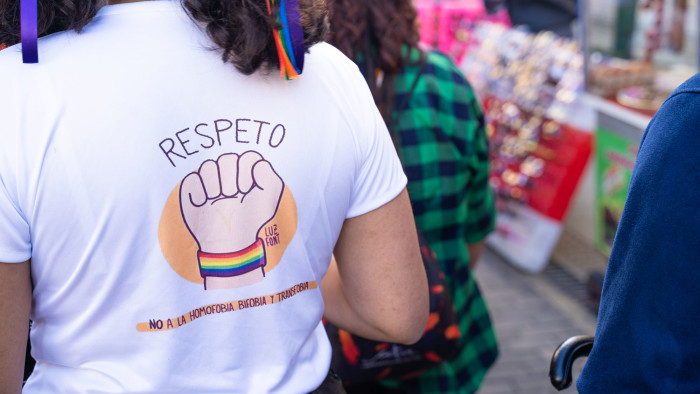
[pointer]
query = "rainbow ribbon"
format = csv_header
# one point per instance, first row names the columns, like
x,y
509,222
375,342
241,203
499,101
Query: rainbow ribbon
x,y
290,40
29,31
232,264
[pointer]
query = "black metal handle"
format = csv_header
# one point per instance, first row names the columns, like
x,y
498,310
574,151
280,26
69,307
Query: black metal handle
x,y
564,357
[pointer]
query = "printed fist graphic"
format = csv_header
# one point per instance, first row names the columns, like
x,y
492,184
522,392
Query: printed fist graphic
x,y
225,204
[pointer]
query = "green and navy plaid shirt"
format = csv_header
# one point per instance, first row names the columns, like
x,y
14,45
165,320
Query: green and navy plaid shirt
x,y
441,138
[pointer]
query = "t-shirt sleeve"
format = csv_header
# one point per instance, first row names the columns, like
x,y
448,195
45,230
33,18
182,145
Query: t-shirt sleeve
x,y
15,246
380,176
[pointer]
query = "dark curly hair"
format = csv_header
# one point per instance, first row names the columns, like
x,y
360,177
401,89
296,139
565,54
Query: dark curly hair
x,y
242,29
376,27
53,16
376,34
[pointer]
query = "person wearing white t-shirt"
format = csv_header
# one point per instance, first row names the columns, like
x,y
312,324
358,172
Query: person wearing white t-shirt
x,y
166,217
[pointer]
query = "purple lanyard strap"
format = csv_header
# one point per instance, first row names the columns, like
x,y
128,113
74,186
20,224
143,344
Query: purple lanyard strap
x,y
29,31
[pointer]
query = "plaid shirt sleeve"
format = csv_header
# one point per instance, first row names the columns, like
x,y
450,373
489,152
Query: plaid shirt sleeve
x,y
482,218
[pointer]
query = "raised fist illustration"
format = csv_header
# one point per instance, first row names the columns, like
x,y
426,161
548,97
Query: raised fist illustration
x,y
225,204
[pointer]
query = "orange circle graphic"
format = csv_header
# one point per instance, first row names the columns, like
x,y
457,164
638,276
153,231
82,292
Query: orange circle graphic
x,y
180,248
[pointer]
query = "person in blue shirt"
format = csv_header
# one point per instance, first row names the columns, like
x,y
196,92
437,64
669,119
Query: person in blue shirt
x,y
648,336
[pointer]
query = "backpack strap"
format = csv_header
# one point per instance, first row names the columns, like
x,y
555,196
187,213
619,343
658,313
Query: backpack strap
x,y
422,64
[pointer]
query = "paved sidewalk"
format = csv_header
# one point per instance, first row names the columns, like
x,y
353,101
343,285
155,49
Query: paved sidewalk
x,y
533,314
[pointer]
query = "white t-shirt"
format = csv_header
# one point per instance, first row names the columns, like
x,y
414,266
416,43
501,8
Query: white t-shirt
x,y
133,162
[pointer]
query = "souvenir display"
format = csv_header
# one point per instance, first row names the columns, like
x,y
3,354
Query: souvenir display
x,y
637,53
540,73
607,78
529,85
642,98
646,44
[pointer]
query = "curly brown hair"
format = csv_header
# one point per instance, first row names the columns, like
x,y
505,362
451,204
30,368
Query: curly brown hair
x,y
376,33
53,16
242,29
380,29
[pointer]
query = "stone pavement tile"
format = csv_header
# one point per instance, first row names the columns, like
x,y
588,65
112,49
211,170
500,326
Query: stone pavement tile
x,y
535,387
531,317
579,258
498,388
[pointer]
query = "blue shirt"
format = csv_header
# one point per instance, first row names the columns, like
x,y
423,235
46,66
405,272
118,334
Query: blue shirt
x,y
648,333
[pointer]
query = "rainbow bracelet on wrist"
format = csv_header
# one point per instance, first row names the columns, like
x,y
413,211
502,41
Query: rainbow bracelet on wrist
x,y
232,264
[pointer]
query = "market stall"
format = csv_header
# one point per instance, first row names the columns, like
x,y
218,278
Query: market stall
x,y
637,53
530,87
552,103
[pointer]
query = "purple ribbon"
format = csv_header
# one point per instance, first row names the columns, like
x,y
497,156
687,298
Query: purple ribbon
x,y
29,31
295,31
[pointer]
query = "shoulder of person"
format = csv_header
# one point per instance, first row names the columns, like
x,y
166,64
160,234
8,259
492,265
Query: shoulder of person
x,y
10,59
14,75
326,63
439,60
692,85
326,54
683,100
674,126
440,70
50,46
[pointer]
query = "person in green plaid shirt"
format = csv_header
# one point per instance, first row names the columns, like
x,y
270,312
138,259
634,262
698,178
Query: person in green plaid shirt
x,y
439,130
